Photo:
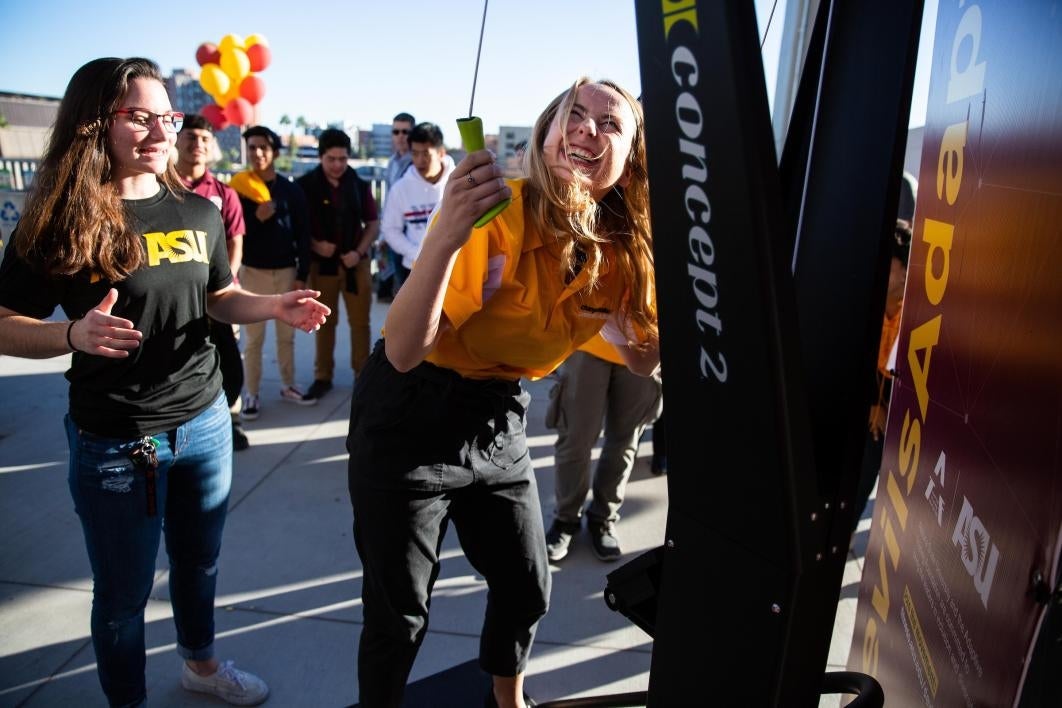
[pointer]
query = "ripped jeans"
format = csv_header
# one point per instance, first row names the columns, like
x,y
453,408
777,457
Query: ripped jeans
x,y
111,496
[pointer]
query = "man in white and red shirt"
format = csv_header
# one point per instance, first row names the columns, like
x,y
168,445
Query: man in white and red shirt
x,y
412,198
195,150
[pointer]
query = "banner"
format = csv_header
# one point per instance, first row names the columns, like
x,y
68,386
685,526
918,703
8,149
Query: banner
x,y
969,502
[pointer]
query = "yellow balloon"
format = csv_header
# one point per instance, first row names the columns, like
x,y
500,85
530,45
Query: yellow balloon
x,y
214,80
233,92
230,41
253,39
235,63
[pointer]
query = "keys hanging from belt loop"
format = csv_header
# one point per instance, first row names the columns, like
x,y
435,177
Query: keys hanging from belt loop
x,y
145,456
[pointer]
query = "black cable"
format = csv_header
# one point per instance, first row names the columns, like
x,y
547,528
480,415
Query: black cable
x,y
762,41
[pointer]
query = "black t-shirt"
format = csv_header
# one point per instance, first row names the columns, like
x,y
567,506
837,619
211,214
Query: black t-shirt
x,y
173,375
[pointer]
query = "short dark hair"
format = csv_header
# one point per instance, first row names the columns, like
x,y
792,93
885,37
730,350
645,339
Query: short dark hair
x,y
406,117
194,121
263,132
426,133
332,138
901,242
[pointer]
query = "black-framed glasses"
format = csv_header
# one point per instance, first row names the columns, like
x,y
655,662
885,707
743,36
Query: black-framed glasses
x,y
400,131
145,119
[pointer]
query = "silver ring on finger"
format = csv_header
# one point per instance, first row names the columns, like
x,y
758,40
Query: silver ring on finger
x,y
471,179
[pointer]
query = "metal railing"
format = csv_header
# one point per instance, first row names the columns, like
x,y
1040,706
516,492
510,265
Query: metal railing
x,y
16,175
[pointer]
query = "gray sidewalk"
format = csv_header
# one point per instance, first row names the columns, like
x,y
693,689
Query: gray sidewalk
x,y
290,580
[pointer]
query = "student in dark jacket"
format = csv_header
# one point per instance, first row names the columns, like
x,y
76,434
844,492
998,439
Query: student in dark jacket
x,y
276,257
343,226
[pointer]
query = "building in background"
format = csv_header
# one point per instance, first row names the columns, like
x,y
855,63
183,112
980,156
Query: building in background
x,y
510,137
512,143
25,124
379,141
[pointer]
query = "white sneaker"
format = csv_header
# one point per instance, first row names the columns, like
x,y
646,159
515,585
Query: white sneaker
x,y
228,683
250,407
294,395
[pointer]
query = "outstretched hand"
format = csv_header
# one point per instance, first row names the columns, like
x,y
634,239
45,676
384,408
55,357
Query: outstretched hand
x,y
102,334
299,309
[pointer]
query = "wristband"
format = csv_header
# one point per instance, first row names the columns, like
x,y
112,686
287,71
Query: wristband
x,y
70,343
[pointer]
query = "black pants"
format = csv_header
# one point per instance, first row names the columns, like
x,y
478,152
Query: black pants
x,y
426,448
231,364
659,442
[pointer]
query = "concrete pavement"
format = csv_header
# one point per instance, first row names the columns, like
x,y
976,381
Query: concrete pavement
x,y
288,603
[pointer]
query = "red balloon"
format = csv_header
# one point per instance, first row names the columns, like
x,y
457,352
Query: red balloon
x,y
216,115
252,88
260,56
207,54
239,111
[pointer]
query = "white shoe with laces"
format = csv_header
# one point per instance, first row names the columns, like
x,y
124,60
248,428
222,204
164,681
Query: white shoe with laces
x,y
228,683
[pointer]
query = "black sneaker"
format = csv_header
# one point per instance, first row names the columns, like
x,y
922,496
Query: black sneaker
x,y
490,702
559,538
250,407
606,545
318,388
239,438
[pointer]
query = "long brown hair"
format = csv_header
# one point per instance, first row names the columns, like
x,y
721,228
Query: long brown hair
x,y
617,227
75,219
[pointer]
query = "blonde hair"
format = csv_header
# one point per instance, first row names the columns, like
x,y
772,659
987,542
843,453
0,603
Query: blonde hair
x,y
616,228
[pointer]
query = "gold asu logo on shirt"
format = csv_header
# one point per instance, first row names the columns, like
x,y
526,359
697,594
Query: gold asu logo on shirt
x,y
178,246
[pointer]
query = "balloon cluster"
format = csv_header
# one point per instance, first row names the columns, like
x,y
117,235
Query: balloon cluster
x,y
229,76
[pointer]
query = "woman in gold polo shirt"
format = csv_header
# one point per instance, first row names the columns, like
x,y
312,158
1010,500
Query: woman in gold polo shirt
x,y
437,421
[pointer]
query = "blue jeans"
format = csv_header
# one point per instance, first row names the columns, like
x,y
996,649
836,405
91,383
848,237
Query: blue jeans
x,y
111,498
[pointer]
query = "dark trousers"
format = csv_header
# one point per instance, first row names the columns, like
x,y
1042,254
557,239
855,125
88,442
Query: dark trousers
x,y
659,442
428,448
224,340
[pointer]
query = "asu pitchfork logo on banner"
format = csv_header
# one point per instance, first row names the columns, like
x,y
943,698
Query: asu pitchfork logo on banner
x,y
178,246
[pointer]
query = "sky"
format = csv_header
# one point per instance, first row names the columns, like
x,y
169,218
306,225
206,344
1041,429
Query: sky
x,y
359,62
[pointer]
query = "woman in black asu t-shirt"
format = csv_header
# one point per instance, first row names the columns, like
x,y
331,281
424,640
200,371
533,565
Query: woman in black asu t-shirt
x,y
136,263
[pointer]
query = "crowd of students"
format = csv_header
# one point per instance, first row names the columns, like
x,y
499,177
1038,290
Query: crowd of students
x,y
154,261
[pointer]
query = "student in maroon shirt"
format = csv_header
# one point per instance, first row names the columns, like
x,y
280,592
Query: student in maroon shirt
x,y
195,150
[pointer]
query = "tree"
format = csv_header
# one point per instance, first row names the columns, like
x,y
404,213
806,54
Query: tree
x,y
285,120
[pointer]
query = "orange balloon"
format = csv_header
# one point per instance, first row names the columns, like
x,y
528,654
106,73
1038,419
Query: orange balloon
x,y
260,56
252,88
239,111
233,92
214,113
